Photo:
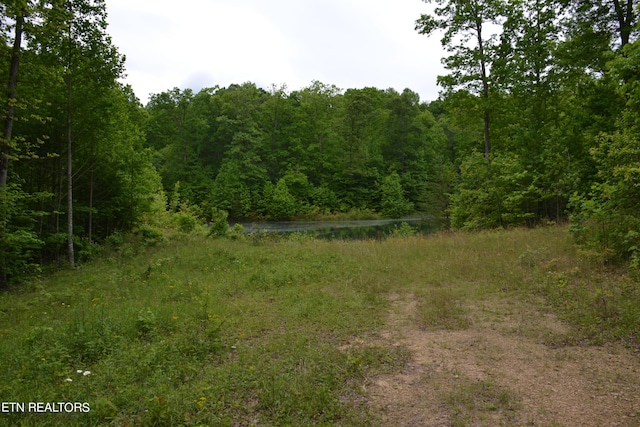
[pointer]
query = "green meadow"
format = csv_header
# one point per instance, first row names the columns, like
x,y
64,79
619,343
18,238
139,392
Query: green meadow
x,y
258,331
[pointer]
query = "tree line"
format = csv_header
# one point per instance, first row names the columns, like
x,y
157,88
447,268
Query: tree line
x,y
73,163
540,104
279,154
537,121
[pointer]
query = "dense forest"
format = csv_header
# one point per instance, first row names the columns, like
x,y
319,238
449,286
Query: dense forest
x,y
537,122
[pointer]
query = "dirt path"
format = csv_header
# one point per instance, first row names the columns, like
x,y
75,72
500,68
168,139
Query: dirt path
x,y
502,370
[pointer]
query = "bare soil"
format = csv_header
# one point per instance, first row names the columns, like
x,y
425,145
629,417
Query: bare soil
x,y
510,367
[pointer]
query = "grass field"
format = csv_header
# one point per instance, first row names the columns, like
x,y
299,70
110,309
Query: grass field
x,y
200,331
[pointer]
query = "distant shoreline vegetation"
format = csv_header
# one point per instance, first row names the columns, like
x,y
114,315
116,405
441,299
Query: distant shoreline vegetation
x,y
354,229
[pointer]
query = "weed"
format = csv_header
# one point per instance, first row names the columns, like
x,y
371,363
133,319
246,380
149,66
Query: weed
x,y
482,403
405,230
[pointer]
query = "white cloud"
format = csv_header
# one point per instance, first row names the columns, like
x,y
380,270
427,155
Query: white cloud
x,y
349,43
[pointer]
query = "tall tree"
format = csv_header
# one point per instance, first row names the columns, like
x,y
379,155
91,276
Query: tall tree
x,y
319,104
18,13
90,64
607,217
469,35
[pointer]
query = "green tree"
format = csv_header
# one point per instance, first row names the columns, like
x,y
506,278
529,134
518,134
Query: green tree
x,y
496,194
607,218
282,204
284,147
89,65
178,131
394,203
317,117
230,192
467,36
18,12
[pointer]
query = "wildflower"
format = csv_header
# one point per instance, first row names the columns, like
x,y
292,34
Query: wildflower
x,y
79,371
69,380
86,373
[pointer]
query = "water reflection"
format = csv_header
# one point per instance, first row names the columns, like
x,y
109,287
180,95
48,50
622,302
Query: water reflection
x,y
356,229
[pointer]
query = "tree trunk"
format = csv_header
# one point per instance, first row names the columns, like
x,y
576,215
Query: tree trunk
x,y
625,16
90,228
485,91
5,143
70,157
69,180
11,96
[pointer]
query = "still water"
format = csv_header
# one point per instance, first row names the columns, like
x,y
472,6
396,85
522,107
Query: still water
x,y
356,229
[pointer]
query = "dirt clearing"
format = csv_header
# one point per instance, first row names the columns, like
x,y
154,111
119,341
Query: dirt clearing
x,y
509,366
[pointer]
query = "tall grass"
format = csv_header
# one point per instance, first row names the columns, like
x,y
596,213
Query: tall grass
x,y
201,331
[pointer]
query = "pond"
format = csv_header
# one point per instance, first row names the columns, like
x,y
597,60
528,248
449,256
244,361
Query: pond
x,y
353,229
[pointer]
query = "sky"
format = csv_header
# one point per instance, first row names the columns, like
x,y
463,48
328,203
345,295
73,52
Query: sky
x,y
202,43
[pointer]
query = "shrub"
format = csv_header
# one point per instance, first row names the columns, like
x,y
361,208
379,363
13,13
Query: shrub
x,y
151,236
185,222
405,230
219,226
495,194
237,232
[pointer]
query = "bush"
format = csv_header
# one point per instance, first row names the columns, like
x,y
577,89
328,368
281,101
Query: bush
x,y
185,222
405,230
496,194
151,236
219,226
18,250
237,232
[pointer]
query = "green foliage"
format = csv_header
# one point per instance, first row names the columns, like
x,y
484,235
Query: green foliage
x,y
185,222
229,192
150,236
493,194
237,232
405,230
553,96
394,204
19,245
19,250
282,155
283,204
606,219
218,226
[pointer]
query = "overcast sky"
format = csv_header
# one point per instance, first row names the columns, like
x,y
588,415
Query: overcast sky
x,y
202,43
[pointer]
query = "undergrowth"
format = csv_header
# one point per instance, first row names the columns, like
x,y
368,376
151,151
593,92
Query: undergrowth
x,y
203,331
